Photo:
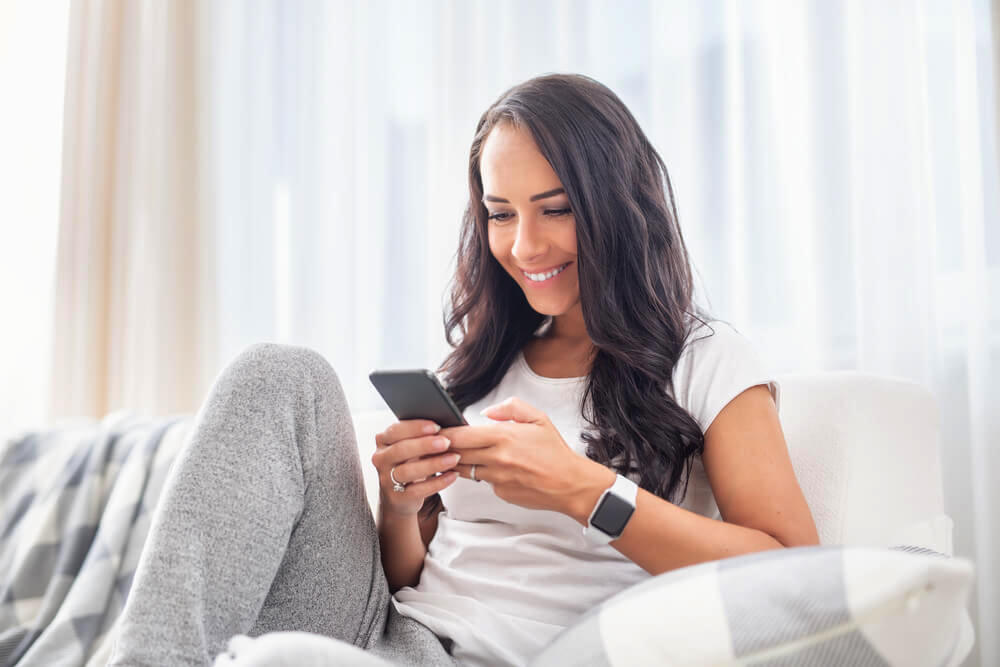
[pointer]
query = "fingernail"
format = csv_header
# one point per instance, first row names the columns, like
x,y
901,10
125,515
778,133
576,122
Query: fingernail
x,y
432,428
442,443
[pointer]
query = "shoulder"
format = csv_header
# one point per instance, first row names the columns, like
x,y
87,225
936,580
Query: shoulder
x,y
717,362
714,340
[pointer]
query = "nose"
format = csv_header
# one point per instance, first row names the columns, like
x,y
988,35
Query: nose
x,y
529,242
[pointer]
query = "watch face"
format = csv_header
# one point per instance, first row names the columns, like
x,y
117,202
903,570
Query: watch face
x,y
612,514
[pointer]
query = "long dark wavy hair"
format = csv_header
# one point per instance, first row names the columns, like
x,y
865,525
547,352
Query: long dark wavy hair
x,y
634,275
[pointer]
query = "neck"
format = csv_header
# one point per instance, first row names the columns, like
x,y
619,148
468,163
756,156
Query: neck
x,y
570,329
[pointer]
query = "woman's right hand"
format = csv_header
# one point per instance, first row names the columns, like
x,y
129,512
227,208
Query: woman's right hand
x,y
416,457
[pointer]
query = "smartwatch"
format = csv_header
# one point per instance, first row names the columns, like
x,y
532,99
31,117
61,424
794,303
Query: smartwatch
x,y
613,510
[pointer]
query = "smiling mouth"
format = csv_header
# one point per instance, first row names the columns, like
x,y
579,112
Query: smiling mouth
x,y
548,275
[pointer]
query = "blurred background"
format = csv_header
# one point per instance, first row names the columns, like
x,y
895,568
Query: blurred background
x,y
180,179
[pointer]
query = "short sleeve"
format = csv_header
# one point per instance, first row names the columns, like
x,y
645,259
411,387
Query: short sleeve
x,y
714,368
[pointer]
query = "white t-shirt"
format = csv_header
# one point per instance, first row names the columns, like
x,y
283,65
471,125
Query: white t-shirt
x,y
501,580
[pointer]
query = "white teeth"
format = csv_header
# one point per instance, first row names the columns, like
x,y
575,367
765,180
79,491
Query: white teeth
x,y
538,277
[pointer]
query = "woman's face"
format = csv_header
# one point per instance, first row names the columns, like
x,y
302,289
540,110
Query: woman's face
x,y
531,227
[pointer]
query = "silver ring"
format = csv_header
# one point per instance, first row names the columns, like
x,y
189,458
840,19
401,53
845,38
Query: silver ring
x,y
472,473
396,486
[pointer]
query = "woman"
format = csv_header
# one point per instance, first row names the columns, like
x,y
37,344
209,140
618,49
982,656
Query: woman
x,y
580,339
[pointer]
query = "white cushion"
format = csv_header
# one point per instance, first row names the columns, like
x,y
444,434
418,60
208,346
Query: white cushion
x,y
865,449
820,605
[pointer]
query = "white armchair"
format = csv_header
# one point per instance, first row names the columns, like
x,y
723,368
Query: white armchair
x,y
865,452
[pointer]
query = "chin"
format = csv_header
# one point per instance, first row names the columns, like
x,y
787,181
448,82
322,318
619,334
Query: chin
x,y
549,309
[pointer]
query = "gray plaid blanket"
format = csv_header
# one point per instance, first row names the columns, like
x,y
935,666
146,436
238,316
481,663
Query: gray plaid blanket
x,y
75,507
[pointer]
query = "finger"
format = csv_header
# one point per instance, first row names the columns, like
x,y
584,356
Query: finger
x,y
517,410
478,456
475,437
483,473
416,448
409,448
406,428
413,471
431,486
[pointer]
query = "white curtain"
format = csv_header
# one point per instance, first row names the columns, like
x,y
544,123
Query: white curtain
x,y
834,161
133,316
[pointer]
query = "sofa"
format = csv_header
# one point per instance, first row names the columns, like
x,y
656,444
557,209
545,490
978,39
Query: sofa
x,y
883,587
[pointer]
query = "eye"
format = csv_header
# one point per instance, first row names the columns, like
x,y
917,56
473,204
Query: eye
x,y
496,216
552,212
556,212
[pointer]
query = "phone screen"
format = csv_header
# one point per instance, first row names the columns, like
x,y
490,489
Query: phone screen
x,y
417,394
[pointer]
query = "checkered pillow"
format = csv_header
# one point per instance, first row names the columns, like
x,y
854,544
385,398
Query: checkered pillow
x,y
816,605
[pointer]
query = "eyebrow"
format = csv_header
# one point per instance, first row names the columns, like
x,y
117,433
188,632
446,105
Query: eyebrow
x,y
540,195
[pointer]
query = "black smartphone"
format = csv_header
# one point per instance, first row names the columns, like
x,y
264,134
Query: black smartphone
x,y
417,394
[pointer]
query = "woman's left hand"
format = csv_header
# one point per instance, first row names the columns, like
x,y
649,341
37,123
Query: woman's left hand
x,y
525,460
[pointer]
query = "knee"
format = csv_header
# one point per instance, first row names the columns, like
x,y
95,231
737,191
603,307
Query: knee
x,y
282,366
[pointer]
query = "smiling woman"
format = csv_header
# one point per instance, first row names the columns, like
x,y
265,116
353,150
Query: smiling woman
x,y
603,383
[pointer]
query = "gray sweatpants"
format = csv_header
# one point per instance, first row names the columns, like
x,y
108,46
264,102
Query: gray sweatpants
x,y
263,526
